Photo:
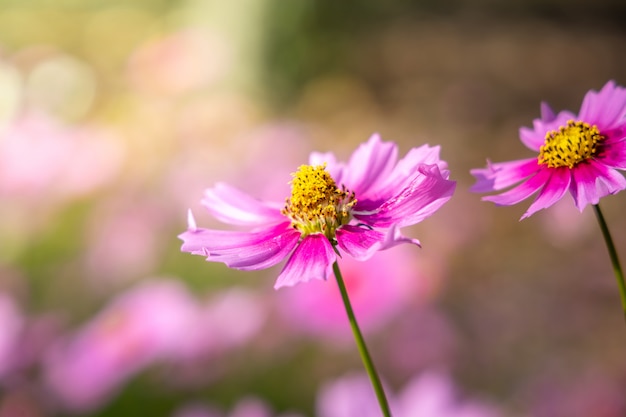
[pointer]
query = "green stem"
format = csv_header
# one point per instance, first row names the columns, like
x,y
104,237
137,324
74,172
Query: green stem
x,y
360,342
617,269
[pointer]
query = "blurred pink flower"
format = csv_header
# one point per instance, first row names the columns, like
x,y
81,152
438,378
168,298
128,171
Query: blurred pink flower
x,y
138,327
379,288
349,396
433,394
430,394
43,160
577,153
225,321
358,208
156,322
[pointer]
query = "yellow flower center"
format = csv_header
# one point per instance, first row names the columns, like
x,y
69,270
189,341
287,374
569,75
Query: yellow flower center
x,y
316,204
570,145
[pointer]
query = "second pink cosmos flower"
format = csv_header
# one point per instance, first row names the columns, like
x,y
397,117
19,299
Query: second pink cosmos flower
x,y
356,208
577,153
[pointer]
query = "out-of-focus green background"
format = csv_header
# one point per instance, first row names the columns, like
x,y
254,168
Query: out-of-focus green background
x,y
116,115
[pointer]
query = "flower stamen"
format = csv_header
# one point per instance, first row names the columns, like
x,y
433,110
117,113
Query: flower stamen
x,y
571,144
316,204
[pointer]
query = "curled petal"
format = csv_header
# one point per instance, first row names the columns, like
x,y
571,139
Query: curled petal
x,y
427,191
401,177
504,174
242,250
394,237
233,206
312,259
359,242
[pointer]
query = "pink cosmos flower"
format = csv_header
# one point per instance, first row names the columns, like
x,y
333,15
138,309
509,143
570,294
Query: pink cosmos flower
x,y
356,207
580,153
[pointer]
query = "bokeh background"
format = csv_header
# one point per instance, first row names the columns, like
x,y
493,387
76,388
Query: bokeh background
x,y
115,116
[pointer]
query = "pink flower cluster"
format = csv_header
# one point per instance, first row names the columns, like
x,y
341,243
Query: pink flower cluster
x,y
140,328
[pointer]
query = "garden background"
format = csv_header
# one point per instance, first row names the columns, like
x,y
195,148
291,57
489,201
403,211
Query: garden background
x,y
116,115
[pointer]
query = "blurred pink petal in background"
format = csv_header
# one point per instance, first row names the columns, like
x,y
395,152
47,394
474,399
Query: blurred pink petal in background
x,y
426,395
379,289
138,327
155,322
40,158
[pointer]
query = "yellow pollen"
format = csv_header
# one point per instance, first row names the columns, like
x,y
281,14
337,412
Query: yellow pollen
x,y
316,204
571,144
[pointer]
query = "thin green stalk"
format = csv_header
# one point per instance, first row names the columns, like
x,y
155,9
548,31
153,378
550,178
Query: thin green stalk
x,y
360,342
617,269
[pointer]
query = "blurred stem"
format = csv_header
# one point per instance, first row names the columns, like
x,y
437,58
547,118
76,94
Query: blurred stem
x,y
617,269
360,342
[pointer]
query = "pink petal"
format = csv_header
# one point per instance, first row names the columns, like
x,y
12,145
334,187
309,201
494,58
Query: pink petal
x,y
409,165
606,108
359,242
522,191
555,188
534,138
394,237
371,162
504,174
427,191
583,187
334,168
242,250
547,114
610,180
312,259
592,181
531,138
233,206
613,154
